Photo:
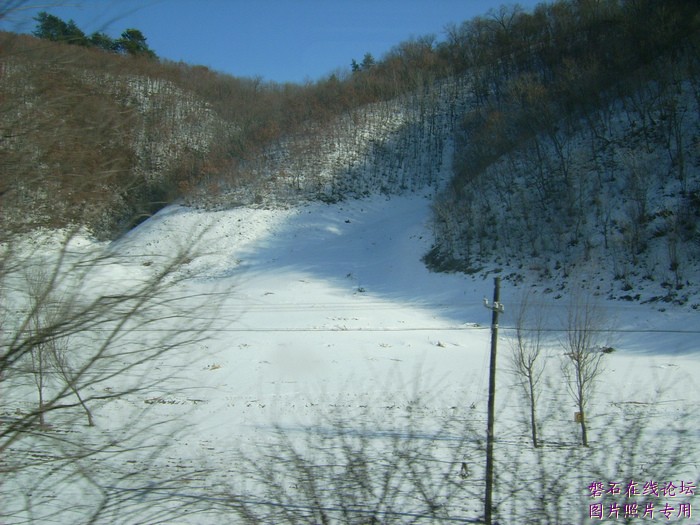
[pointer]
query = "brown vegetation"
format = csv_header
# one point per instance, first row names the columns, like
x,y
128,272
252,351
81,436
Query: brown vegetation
x,y
136,133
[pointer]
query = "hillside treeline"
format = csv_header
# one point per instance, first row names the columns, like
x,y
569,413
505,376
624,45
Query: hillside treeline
x,y
131,42
102,140
581,144
105,140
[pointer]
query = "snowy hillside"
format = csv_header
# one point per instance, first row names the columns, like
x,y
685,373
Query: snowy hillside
x,y
274,342
394,146
340,380
611,197
109,144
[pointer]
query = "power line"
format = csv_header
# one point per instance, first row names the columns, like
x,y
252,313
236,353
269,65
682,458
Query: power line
x,y
608,330
389,329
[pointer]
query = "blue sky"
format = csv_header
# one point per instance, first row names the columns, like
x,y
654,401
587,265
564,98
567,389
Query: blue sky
x,y
278,40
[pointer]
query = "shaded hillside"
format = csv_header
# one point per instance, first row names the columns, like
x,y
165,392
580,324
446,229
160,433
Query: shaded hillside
x,y
580,154
614,194
390,147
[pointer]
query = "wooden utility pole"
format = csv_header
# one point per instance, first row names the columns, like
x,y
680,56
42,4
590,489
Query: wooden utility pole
x,y
496,309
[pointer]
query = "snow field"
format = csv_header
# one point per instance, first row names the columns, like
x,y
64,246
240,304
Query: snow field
x,y
327,329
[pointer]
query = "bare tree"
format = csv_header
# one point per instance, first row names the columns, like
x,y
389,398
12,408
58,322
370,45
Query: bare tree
x,y
50,310
68,373
564,484
41,312
39,364
83,326
583,344
527,350
86,342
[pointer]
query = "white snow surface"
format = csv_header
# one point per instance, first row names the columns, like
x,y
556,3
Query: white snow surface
x,y
327,307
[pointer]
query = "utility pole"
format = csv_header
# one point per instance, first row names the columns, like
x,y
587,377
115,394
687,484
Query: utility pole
x,y
496,308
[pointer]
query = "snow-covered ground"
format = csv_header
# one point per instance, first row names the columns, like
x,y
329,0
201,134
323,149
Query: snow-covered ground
x,y
325,313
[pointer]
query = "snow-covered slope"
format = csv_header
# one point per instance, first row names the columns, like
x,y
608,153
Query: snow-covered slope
x,y
331,333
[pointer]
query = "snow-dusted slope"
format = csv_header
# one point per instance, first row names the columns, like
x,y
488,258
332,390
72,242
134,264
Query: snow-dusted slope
x,y
610,196
393,146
